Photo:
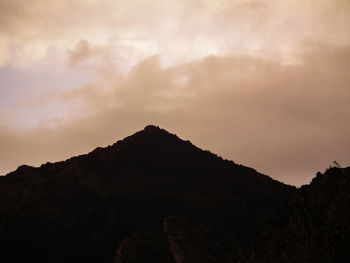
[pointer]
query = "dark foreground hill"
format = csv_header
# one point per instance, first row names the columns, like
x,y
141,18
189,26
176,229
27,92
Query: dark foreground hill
x,y
153,197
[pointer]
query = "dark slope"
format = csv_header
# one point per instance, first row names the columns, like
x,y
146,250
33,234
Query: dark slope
x,y
318,229
151,197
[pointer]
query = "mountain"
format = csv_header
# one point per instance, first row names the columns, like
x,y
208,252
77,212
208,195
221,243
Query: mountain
x,y
153,197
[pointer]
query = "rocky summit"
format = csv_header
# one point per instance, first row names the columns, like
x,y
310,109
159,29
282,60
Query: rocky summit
x,y
153,197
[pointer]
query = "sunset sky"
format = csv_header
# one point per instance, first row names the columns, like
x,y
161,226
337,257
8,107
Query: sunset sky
x,y
263,83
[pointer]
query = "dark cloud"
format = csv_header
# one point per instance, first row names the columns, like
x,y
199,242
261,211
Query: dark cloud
x,y
82,52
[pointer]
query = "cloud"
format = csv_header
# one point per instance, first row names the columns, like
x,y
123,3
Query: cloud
x,y
35,32
83,51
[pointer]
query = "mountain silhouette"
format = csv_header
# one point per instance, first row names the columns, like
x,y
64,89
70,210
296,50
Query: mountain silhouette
x,y
153,197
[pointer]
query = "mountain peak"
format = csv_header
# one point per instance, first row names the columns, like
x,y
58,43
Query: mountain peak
x,y
149,135
152,128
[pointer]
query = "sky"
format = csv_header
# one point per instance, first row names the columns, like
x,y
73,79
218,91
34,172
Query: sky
x,y
261,82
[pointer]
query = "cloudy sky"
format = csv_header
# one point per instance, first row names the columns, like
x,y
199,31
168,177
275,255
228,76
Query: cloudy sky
x,y
261,82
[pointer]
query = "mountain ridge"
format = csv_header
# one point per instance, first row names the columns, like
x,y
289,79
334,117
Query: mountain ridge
x,y
148,131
